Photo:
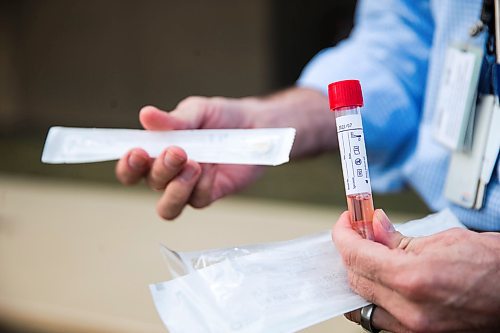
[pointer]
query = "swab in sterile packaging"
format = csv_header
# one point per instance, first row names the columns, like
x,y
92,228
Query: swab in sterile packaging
x,y
260,146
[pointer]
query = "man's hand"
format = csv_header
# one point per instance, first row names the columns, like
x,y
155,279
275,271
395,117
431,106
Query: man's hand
x,y
184,181
448,282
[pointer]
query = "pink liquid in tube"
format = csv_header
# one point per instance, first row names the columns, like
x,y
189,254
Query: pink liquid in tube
x,y
346,100
360,207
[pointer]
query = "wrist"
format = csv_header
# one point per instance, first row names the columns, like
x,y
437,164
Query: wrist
x,y
304,109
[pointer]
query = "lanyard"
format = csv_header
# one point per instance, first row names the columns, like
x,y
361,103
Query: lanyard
x,y
489,22
486,19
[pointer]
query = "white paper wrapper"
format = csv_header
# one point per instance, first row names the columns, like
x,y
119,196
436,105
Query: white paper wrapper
x,y
262,146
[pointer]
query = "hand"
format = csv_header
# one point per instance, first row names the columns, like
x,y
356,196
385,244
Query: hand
x,y
184,181
447,282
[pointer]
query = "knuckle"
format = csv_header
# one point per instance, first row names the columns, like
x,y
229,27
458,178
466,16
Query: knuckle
x,y
157,178
192,101
458,234
153,184
414,284
175,200
353,280
351,258
200,198
217,100
360,286
405,243
452,236
198,202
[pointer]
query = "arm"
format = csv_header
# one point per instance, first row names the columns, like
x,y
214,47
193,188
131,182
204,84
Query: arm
x,y
185,182
388,51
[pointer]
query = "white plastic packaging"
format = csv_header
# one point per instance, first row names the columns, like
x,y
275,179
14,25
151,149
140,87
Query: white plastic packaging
x,y
276,287
262,146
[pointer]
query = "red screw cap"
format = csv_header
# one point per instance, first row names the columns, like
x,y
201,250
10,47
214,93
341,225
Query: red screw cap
x,y
345,94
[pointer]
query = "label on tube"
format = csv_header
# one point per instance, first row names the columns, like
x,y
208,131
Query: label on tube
x,y
353,154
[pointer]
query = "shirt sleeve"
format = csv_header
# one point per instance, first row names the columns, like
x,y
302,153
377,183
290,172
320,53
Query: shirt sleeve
x,y
388,52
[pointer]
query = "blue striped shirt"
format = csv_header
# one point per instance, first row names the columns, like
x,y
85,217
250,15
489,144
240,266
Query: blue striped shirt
x,y
397,50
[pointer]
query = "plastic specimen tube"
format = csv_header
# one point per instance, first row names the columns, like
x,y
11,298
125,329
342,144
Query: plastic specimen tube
x,y
346,100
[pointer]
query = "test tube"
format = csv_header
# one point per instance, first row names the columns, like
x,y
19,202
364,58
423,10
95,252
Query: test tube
x,y
346,101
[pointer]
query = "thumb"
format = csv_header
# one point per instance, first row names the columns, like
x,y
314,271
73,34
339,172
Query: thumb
x,y
386,234
155,119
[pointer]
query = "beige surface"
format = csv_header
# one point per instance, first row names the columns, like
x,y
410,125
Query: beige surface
x,y
78,258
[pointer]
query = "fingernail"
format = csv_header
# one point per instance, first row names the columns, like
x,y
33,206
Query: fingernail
x,y
188,173
384,220
137,162
172,160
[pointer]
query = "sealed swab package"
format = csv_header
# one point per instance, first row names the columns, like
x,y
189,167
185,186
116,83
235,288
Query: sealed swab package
x,y
262,146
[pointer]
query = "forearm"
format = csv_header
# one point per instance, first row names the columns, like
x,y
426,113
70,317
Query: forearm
x,y
304,109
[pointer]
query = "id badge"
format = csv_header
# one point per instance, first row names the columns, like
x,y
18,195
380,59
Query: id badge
x,y
467,178
490,153
456,101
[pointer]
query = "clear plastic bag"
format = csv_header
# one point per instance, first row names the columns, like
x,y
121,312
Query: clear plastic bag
x,y
275,287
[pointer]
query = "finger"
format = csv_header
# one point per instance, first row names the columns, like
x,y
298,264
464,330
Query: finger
x,y
190,113
363,256
202,194
166,167
133,166
155,119
214,112
409,313
386,234
195,110
178,191
370,290
375,292
381,319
